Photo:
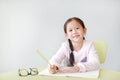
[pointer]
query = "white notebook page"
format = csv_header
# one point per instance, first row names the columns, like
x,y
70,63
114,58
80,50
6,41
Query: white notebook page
x,y
90,74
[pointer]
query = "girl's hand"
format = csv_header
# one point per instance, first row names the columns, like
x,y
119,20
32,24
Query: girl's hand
x,y
70,69
53,69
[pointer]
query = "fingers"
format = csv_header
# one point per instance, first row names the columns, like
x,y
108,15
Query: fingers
x,y
76,68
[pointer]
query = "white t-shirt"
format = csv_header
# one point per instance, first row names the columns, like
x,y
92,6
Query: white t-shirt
x,y
86,58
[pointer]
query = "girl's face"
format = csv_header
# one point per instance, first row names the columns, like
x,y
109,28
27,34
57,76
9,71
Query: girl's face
x,y
74,31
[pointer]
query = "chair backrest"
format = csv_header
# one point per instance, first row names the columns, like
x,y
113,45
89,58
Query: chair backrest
x,y
101,47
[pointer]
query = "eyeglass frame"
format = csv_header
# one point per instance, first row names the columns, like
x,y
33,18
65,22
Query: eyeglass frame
x,y
35,70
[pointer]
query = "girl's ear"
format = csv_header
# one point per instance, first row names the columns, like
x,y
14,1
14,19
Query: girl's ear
x,y
85,31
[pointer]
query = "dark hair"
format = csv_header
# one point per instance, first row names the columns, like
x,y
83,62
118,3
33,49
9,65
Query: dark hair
x,y
71,54
71,19
70,43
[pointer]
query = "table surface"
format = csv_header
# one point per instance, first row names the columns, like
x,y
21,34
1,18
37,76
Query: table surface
x,y
104,75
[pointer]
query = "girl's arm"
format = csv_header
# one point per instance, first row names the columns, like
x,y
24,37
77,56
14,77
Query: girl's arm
x,y
92,60
57,59
69,69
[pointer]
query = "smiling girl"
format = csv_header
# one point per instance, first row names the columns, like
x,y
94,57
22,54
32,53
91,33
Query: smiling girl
x,y
80,54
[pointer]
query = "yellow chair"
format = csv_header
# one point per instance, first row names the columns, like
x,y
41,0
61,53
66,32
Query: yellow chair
x,y
101,47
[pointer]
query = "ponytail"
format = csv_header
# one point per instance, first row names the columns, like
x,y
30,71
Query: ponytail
x,y
71,54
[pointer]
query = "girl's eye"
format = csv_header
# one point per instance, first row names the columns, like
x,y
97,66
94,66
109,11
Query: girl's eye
x,y
70,30
77,28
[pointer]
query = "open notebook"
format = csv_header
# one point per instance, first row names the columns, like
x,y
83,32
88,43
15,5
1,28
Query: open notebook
x,y
90,74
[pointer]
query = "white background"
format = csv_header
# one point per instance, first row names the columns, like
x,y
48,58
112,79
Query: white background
x,y
27,25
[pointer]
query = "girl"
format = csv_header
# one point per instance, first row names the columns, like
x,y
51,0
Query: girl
x,y
80,55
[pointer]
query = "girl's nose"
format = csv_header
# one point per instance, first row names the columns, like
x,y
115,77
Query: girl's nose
x,y
74,31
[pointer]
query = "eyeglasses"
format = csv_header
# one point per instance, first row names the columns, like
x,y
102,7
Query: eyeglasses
x,y
25,72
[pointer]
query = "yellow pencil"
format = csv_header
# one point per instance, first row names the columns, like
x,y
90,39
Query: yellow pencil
x,y
43,57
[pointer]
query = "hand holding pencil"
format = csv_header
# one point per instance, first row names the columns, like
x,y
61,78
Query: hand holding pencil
x,y
52,68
